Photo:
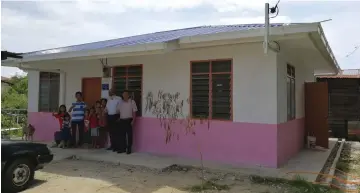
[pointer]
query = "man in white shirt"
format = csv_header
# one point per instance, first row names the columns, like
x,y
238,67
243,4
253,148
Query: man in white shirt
x,y
112,116
127,109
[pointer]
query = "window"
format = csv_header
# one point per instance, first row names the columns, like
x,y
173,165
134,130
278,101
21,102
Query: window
x,y
290,81
129,78
211,89
49,91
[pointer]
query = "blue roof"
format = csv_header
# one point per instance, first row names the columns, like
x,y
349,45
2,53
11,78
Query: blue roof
x,y
157,37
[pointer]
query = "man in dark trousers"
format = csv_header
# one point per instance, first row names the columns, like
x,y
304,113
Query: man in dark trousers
x,y
112,110
127,109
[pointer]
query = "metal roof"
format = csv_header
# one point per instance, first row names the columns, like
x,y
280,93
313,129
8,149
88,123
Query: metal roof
x,y
157,37
346,73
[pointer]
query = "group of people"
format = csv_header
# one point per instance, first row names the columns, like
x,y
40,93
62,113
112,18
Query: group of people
x,y
115,116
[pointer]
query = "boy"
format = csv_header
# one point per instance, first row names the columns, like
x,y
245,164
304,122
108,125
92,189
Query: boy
x,y
77,119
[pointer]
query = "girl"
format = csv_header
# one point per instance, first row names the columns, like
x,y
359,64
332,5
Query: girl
x,y
98,104
102,122
86,120
65,131
103,102
87,131
94,127
102,117
60,116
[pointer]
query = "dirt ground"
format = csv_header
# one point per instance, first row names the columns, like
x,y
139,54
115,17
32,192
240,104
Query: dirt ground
x,y
90,177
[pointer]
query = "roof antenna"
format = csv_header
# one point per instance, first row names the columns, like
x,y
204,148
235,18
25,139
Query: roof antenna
x,y
267,29
268,11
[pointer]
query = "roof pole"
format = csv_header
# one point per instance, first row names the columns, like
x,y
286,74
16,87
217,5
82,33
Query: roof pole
x,y
267,29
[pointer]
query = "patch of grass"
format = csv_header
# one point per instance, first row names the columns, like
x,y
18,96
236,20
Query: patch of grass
x,y
349,161
298,185
343,166
208,185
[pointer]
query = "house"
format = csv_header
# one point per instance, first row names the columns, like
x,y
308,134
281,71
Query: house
x,y
255,102
344,105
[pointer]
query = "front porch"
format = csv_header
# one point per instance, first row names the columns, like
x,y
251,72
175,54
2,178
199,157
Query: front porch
x,y
305,160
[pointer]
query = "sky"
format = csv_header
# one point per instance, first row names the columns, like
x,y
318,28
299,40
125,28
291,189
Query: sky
x,y
37,25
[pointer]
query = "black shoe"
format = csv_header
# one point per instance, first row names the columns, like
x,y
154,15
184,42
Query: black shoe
x,y
109,148
128,151
120,151
114,150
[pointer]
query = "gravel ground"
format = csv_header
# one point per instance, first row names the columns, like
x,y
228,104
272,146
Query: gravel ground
x,y
90,177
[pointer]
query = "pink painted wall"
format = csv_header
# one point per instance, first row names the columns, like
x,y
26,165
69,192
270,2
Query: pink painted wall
x,y
228,142
268,145
45,125
290,139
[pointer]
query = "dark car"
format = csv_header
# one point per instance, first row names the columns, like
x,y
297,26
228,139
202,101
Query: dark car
x,y
19,161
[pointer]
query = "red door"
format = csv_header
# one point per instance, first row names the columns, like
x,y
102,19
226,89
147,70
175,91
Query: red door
x,y
91,89
316,112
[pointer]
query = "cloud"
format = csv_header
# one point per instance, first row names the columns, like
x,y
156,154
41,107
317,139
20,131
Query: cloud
x,y
161,5
29,26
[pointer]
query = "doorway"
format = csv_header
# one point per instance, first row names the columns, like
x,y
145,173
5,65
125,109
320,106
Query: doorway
x,y
91,89
316,112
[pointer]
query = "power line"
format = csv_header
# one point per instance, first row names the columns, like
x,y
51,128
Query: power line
x,y
351,53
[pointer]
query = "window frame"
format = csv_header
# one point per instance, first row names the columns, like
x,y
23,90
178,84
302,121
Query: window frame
x,y
210,73
113,72
40,109
292,77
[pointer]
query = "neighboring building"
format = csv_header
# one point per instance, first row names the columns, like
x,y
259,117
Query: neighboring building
x,y
256,99
344,102
5,83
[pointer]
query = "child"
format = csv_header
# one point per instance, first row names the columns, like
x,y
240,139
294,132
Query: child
x,y
65,131
102,117
102,123
103,102
87,120
60,116
98,104
77,120
94,127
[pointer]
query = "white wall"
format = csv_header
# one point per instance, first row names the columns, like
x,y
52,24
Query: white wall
x,y
303,73
254,77
33,91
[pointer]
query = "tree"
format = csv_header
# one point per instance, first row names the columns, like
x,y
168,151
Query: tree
x,y
12,98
